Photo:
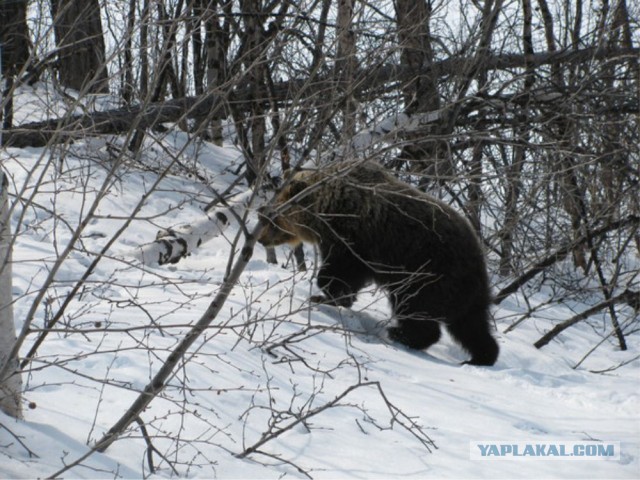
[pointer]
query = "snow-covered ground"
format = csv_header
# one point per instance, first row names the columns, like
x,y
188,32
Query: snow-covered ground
x,y
270,362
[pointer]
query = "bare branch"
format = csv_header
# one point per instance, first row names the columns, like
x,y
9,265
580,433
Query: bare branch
x,y
629,297
560,254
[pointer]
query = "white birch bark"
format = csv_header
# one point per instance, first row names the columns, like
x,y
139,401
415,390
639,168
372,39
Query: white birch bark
x,y
10,385
175,243
387,130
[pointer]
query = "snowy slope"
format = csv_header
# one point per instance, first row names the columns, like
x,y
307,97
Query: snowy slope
x,y
271,358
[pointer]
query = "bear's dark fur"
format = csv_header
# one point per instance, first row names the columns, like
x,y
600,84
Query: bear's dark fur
x,y
371,227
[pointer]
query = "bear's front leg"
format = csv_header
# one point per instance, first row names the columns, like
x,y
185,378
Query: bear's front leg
x,y
324,300
340,279
336,292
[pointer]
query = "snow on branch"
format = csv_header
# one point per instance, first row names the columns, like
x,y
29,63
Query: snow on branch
x,y
392,126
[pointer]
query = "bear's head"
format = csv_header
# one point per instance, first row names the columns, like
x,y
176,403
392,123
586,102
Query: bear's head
x,y
287,219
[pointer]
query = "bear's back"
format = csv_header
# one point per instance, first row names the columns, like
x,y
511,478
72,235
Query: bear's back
x,y
387,221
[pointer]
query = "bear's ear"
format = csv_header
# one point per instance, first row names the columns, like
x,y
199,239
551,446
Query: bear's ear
x,y
296,186
287,174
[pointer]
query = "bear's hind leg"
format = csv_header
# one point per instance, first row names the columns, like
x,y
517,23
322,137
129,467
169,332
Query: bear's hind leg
x,y
416,328
474,334
417,334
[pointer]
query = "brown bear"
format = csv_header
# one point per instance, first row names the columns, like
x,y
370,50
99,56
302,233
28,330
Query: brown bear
x,y
371,227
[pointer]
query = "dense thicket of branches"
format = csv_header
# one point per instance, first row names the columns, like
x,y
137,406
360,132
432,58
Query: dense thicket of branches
x,y
536,132
537,127
528,110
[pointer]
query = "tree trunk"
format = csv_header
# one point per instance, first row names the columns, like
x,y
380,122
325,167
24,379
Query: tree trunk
x,y
420,91
216,43
14,37
513,171
81,50
144,49
10,385
253,61
346,66
14,53
127,88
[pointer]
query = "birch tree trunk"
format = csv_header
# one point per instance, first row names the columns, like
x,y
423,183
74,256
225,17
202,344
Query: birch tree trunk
x,y
11,385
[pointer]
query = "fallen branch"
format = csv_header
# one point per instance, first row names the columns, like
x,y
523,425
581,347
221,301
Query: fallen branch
x,y
560,254
111,122
175,243
628,296
39,134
